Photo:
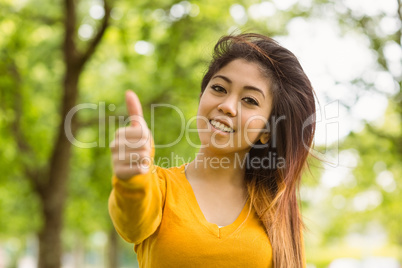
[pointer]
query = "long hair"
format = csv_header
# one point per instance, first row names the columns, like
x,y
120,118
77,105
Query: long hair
x,y
273,190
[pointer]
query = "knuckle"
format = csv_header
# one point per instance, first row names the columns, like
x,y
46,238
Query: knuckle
x,y
119,132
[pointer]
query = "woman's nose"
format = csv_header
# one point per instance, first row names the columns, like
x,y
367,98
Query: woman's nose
x,y
229,106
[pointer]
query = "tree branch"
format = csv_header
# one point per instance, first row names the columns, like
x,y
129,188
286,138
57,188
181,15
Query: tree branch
x,y
16,124
395,140
96,40
27,15
23,146
70,52
74,62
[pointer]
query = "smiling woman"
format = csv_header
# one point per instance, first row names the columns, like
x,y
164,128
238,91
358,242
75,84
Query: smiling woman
x,y
235,104
234,205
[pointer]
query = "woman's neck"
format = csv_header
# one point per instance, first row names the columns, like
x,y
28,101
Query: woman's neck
x,y
218,169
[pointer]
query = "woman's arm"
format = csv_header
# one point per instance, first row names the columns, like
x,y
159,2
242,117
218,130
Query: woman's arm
x,y
135,206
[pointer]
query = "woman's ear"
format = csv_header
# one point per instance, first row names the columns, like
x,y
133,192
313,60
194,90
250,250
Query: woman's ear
x,y
264,137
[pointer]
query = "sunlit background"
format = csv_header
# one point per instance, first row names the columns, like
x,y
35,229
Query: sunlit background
x,y
350,49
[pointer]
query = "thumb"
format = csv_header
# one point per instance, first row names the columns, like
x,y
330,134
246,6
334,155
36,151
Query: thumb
x,y
134,108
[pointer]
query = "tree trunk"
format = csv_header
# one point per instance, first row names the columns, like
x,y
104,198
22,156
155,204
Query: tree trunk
x,y
51,186
113,257
53,193
50,248
53,201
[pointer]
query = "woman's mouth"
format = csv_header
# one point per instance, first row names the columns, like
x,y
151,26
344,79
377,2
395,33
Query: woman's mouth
x,y
220,126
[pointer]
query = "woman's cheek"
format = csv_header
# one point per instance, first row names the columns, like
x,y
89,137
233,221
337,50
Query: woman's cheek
x,y
252,129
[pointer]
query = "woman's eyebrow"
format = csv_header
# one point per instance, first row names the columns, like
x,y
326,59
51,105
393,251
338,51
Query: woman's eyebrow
x,y
223,77
245,87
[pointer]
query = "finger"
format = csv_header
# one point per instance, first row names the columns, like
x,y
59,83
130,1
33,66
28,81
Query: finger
x,y
132,133
134,108
142,156
127,172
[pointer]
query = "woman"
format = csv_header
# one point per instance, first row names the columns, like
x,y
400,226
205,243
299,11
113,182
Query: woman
x,y
236,204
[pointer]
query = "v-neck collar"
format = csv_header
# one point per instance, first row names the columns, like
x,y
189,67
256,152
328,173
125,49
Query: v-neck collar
x,y
220,232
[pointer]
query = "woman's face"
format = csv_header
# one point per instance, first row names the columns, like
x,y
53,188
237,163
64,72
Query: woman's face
x,y
234,108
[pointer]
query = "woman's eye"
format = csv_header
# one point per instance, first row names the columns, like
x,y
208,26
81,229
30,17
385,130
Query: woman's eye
x,y
218,88
251,101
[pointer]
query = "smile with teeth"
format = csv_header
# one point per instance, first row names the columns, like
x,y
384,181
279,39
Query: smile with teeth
x,y
221,126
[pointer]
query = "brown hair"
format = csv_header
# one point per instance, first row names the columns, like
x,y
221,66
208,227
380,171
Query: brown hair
x,y
273,191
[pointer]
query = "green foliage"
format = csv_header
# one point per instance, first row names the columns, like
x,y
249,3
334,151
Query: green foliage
x,y
31,76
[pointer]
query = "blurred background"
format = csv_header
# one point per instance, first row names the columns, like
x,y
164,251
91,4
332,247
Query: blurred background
x,y
64,68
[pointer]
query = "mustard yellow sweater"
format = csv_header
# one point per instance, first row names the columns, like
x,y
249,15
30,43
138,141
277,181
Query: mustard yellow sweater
x,y
159,213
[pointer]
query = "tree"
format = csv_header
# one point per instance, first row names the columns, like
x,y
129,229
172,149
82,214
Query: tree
x,y
368,195
49,179
378,145
45,70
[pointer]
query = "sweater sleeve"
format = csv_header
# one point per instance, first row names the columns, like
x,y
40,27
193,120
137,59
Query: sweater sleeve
x,y
135,205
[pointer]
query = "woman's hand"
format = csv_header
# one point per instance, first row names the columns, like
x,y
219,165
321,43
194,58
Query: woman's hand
x,y
132,146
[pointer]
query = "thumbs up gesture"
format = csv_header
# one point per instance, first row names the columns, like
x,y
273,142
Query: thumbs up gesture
x,y
132,146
